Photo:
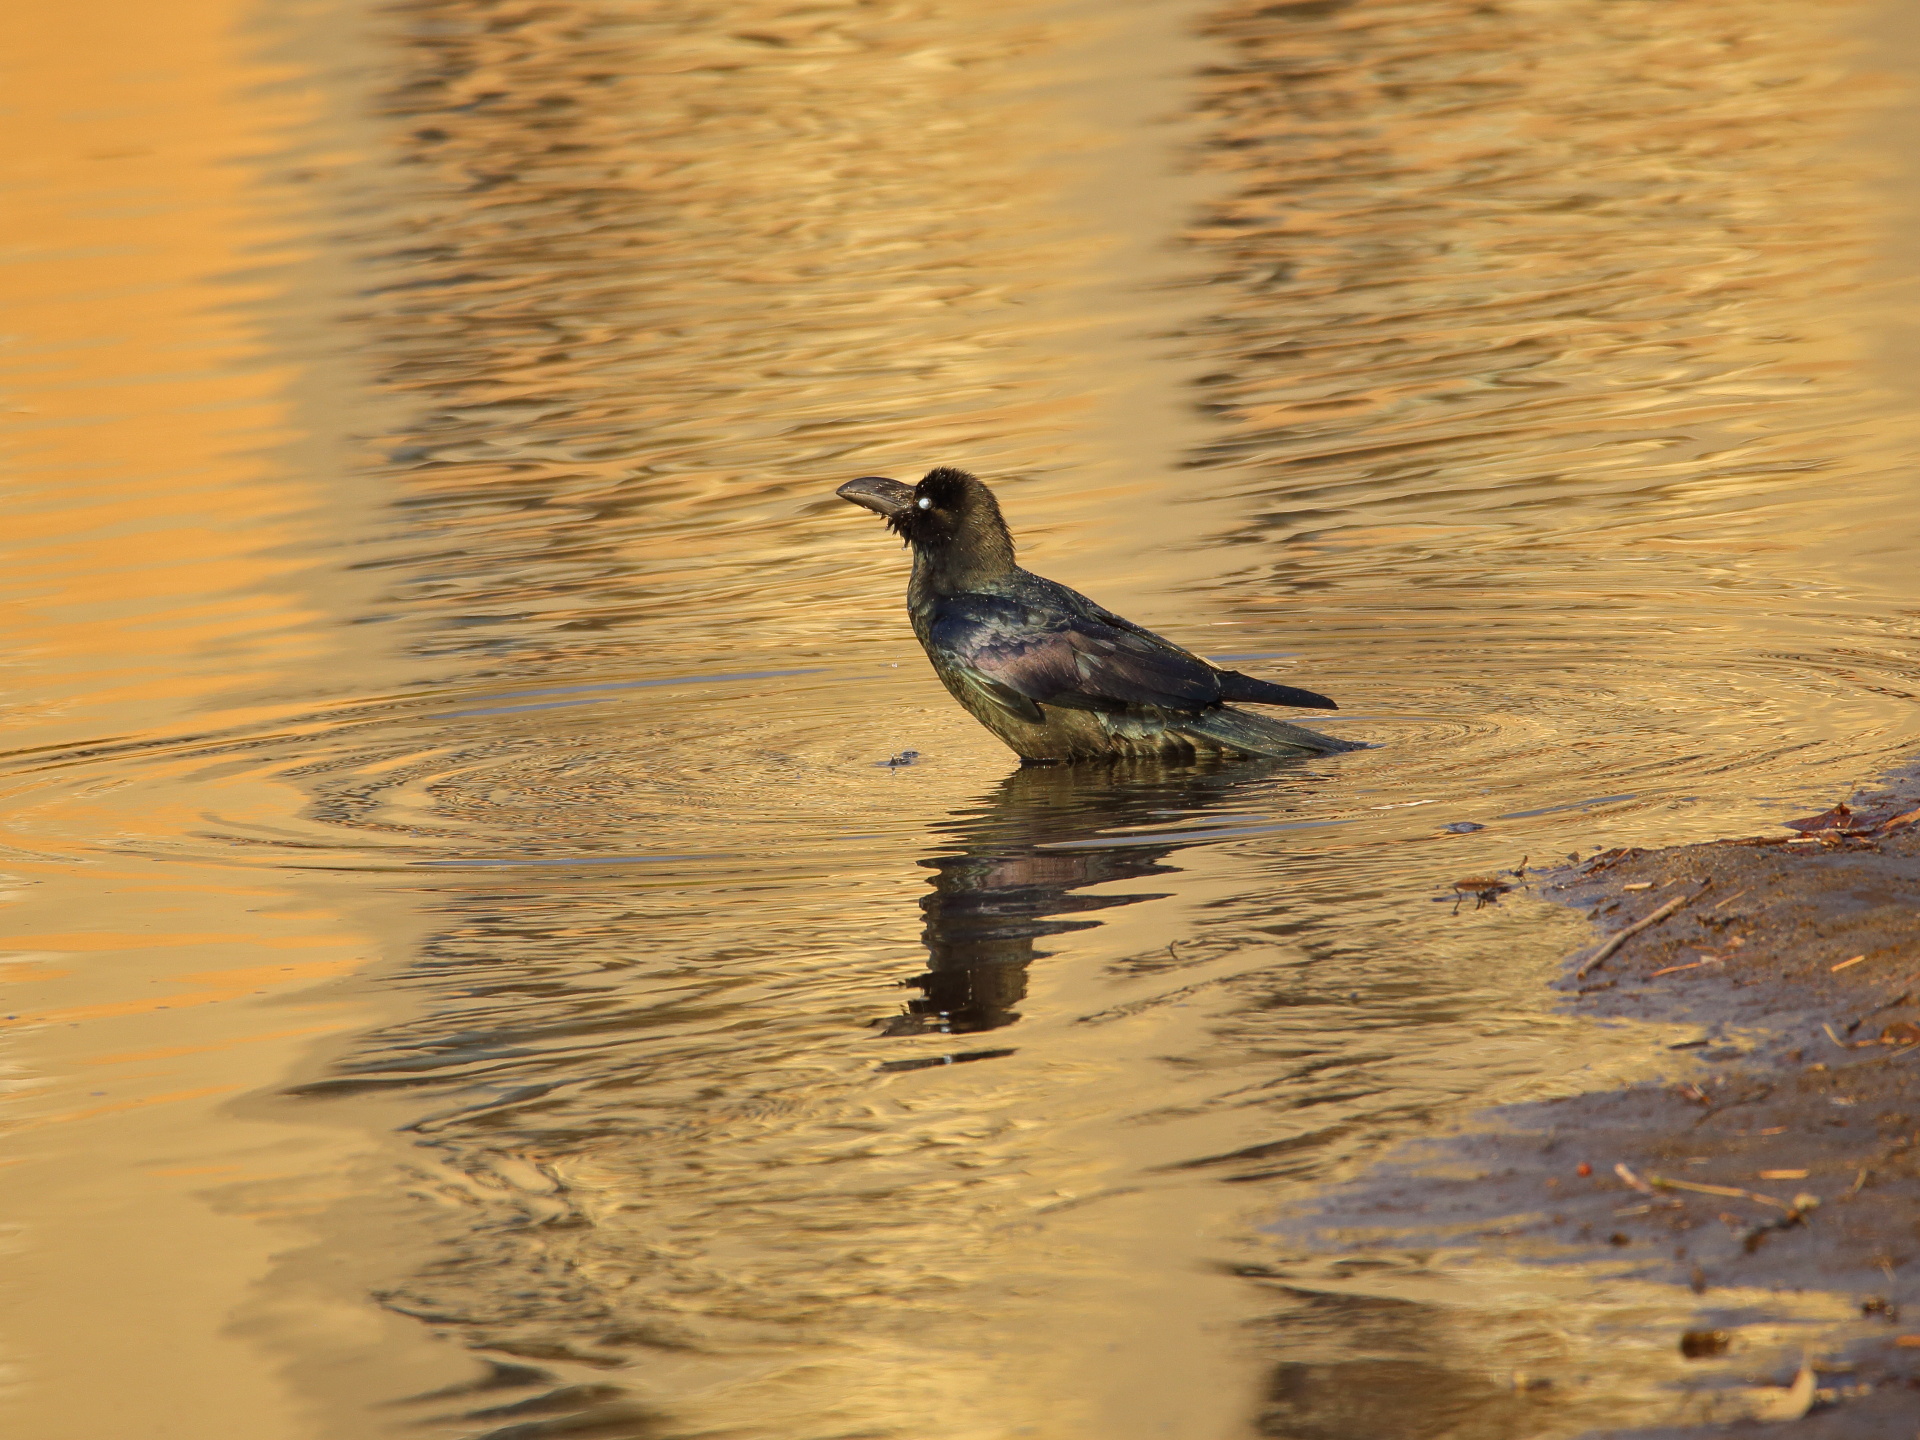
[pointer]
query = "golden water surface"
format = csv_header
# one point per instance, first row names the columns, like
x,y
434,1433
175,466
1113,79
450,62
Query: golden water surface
x,y
469,969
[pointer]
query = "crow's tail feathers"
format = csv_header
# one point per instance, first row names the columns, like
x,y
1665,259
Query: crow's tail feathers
x,y
1257,735
1250,690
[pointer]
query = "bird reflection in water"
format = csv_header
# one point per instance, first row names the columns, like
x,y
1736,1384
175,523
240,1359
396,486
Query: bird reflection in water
x,y
1045,834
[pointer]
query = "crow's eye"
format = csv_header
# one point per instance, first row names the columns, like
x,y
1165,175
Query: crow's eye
x,y
924,502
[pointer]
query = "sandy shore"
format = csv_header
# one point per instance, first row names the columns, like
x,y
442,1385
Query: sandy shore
x,y
1777,1154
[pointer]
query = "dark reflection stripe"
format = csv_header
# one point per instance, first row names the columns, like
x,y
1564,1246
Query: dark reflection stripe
x,y
1570,805
615,685
560,860
1188,837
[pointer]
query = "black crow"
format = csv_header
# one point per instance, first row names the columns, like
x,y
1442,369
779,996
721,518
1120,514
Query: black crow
x,y
1054,675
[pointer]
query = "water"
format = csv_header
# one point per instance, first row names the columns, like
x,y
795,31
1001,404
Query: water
x,y
473,970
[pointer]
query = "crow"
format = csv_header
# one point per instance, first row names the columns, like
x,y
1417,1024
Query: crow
x,y
1055,676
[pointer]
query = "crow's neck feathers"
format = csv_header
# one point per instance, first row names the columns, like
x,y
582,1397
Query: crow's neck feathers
x,y
960,542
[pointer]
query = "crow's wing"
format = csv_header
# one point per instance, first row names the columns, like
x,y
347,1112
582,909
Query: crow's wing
x,y
1246,689
1015,652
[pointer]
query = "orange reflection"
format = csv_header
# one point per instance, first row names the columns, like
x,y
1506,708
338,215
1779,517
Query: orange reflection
x,y
146,394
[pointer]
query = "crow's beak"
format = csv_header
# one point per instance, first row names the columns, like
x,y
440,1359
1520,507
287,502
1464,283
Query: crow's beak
x,y
886,498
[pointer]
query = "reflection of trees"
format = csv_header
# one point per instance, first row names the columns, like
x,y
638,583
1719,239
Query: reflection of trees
x,y
1021,858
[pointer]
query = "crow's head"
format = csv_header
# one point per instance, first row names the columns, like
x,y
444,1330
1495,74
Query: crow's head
x,y
948,515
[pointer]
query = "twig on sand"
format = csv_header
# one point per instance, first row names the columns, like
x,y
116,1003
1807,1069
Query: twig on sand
x,y
1614,942
1625,1172
1676,969
1661,1182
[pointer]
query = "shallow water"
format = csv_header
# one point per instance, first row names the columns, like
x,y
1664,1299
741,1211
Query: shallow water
x,y
474,972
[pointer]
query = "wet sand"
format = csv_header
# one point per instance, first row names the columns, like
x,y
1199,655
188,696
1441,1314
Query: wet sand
x,y
1766,1178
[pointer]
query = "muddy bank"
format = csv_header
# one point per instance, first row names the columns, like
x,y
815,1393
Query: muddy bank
x,y
1768,1182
